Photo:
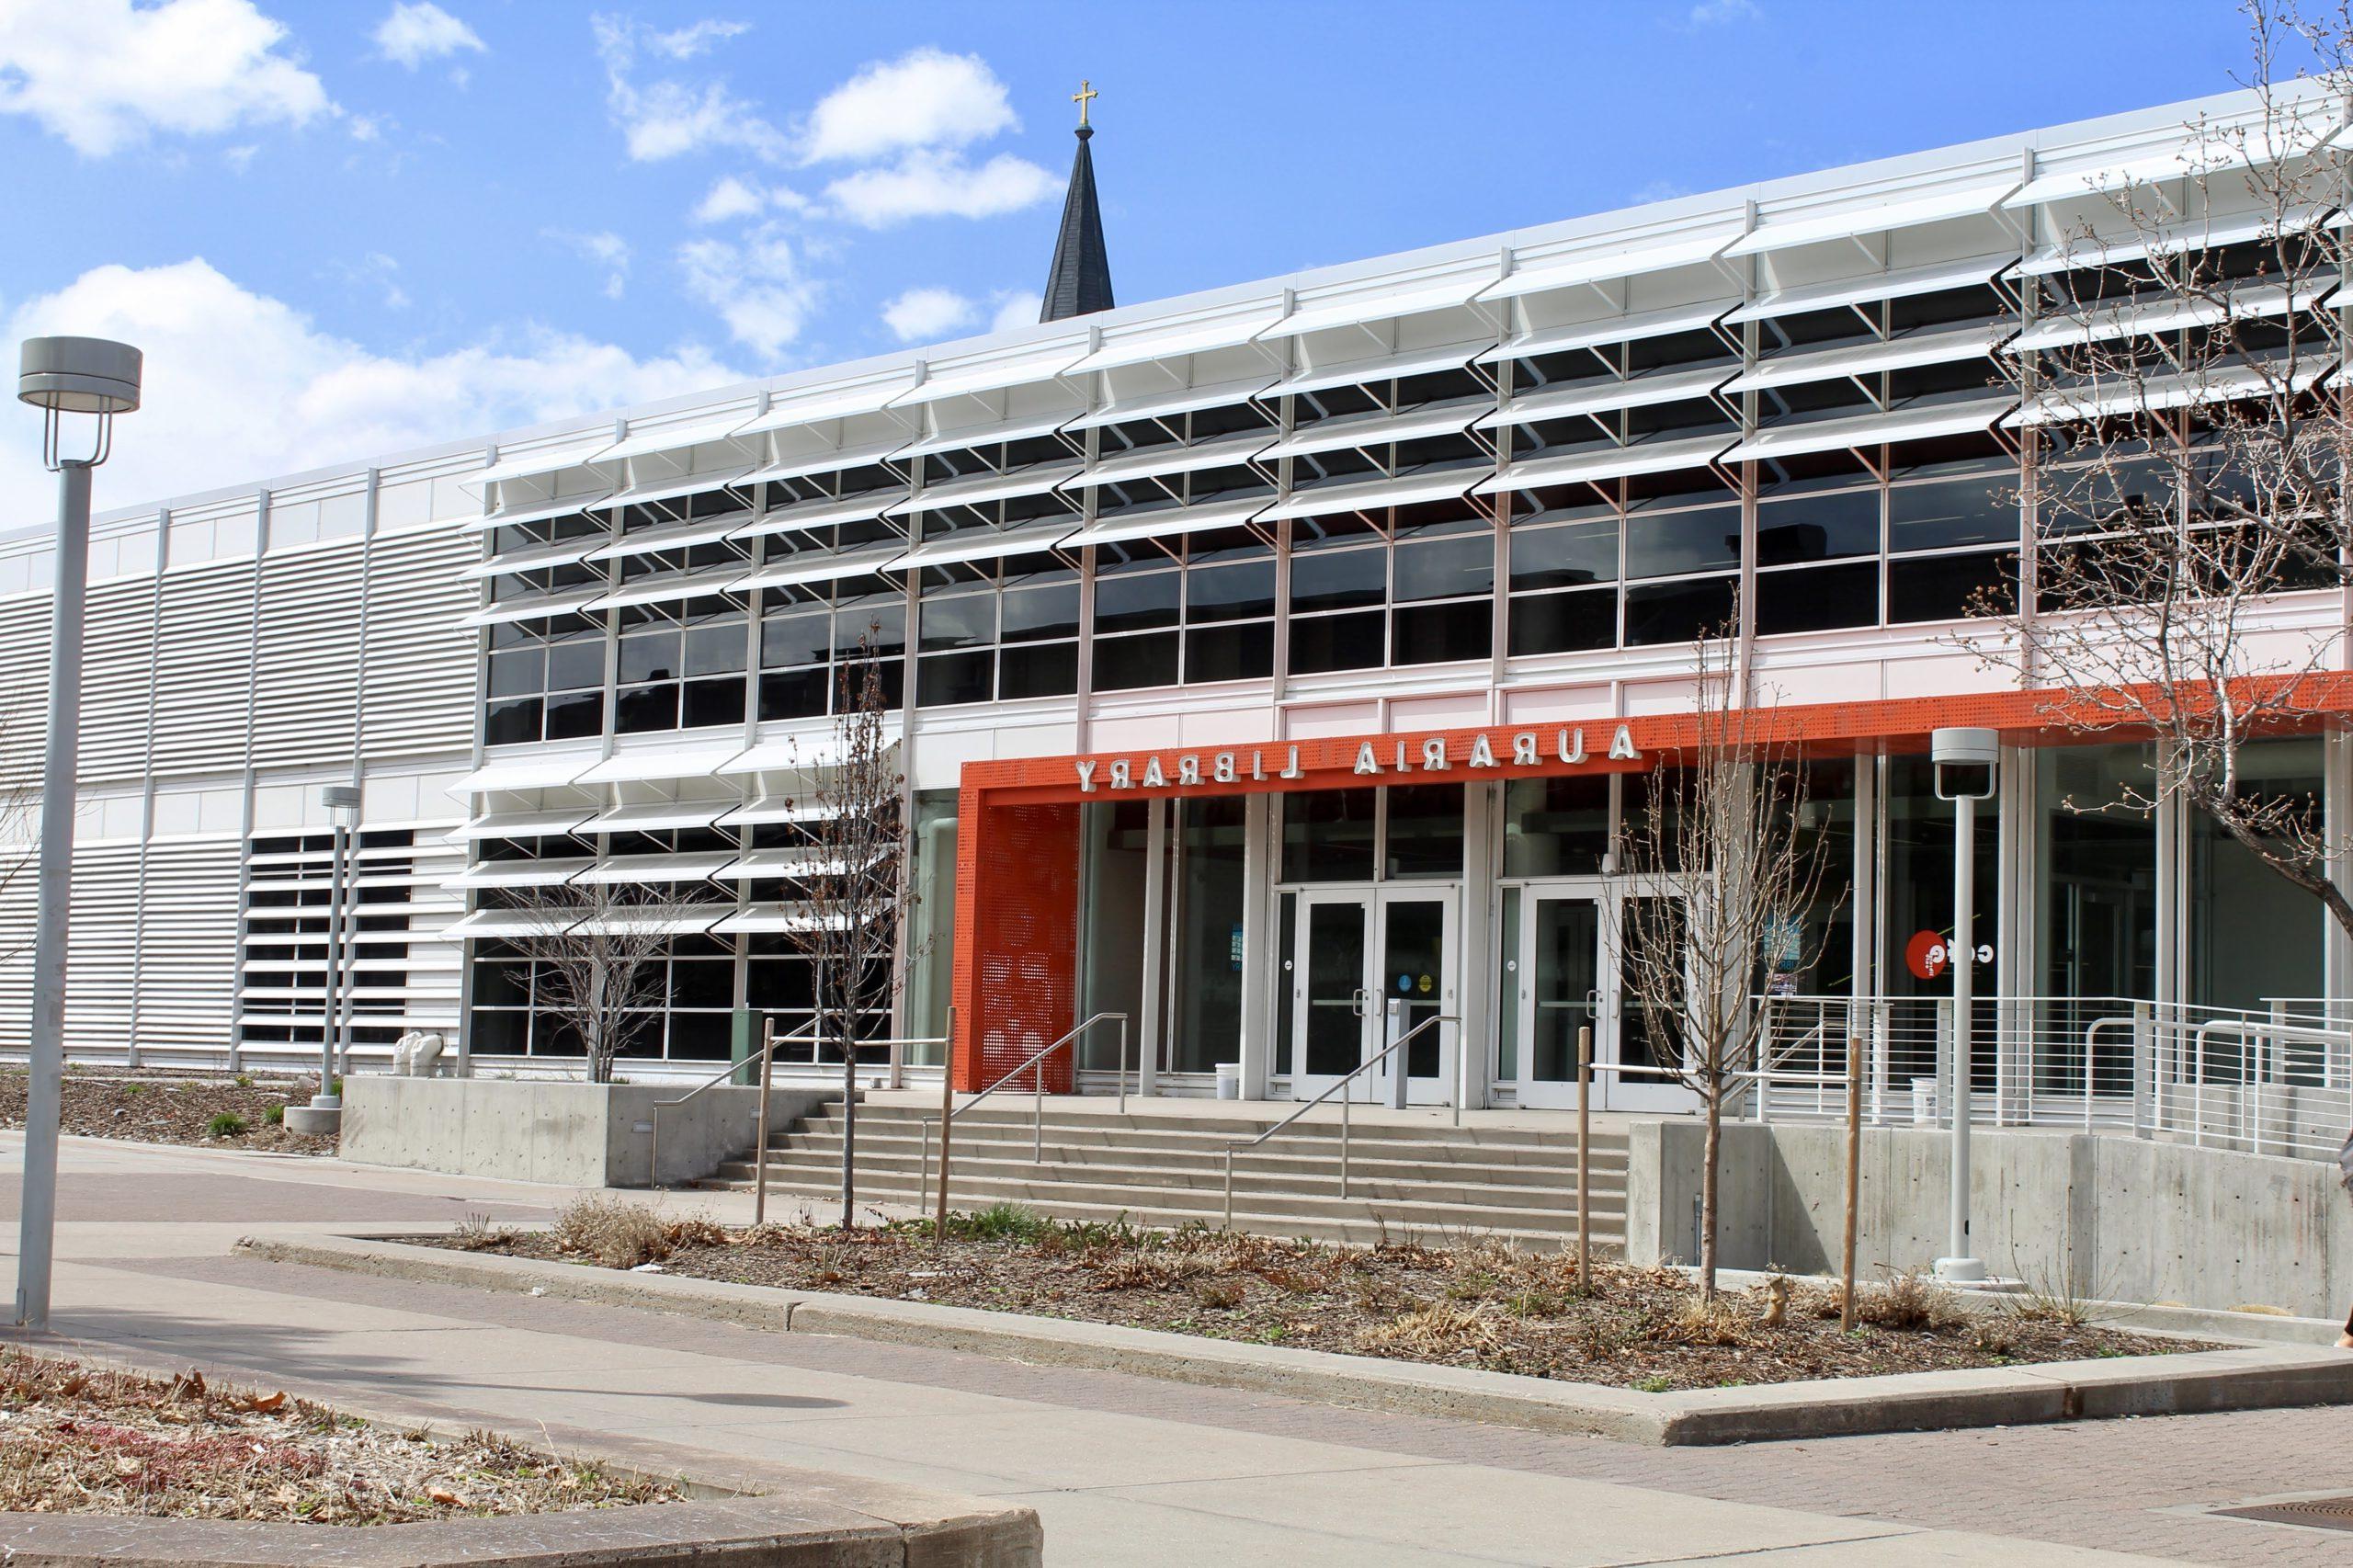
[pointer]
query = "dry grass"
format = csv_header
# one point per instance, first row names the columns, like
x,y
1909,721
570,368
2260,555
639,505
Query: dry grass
x,y
615,1232
81,1441
1475,1302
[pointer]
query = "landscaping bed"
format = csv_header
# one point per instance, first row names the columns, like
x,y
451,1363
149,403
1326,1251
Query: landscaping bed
x,y
173,1108
77,1439
1474,1303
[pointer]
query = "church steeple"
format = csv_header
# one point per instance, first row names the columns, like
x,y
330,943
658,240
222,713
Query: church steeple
x,y
1079,283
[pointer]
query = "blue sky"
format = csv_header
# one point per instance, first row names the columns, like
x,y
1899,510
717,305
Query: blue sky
x,y
351,224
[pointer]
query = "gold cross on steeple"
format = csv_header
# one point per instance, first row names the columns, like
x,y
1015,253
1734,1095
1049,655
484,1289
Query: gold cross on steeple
x,y
1086,95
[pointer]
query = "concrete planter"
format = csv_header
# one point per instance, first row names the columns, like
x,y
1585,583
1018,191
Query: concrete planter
x,y
2120,1217
570,1134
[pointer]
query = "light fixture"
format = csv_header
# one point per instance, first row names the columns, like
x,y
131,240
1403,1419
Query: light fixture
x,y
1967,763
62,377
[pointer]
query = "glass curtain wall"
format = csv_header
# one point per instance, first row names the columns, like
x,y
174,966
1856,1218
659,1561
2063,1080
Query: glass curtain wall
x,y
1206,1000
1919,899
931,923
2254,937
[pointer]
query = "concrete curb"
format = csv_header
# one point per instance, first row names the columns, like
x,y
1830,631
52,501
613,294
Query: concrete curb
x,y
737,1511
2246,1378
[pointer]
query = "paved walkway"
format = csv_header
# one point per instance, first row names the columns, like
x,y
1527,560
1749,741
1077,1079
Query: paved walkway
x,y
1124,1471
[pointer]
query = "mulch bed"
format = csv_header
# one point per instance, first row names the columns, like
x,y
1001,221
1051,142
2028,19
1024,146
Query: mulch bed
x,y
171,1107
1478,1304
80,1440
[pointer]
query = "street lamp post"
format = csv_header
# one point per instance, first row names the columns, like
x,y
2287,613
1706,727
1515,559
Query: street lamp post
x,y
1966,762
342,803
60,376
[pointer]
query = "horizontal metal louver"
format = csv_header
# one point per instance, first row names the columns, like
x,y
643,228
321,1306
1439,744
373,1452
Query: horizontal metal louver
x,y
204,645
17,885
188,946
419,677
307,658
24,655
101,950
401,975
117,668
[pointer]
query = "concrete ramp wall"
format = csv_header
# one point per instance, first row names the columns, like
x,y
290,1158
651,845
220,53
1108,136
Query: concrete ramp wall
x,y
2118,1217
573,1134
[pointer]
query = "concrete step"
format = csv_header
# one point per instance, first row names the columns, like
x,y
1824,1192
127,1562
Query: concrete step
x,y
1501,1186
1357,1223
1325,1118
1458,1210
1308,1140
1277,1157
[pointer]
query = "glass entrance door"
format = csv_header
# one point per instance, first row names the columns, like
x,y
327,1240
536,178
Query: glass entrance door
x,y
1560,986
1570,977
1357,950
1331,1004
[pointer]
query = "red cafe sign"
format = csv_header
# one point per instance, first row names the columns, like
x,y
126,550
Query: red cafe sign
x,y
1528,748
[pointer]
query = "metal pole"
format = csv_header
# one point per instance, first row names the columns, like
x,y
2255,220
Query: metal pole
x,y
1345,1098
1957,1263
1584,1166
1854,1180
946,1116
760,1139
327,1096
37,1220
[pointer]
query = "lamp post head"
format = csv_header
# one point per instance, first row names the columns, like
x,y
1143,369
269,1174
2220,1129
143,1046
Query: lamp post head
x,y
1966,761
341,803
79,375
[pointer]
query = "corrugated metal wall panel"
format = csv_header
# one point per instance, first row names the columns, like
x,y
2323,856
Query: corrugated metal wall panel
x,y
102,948
204,667
420,668
189,947
118,670
307,666
24,691
17,883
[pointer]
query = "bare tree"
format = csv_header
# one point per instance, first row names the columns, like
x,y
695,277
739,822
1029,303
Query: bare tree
x,y
2190,428
852,880
598,948
1722,881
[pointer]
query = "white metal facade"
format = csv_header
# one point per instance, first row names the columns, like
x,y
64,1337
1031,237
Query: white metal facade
x,y
351,621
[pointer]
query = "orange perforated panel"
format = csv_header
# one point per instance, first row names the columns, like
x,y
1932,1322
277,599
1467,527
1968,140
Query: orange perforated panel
x,y
1018,846
1017,958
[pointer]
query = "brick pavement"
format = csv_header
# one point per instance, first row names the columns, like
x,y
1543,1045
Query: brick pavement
x,y
2117,1486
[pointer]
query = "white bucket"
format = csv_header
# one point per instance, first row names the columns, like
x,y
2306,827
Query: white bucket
x,y
1923,1102
1229,1080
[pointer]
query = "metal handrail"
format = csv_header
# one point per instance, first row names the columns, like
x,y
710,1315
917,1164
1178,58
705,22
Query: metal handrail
x,y
760,1142
949,1110
1233,1145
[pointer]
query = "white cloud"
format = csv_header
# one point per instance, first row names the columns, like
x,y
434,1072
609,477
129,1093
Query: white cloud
x,y
378,273
756,287
731,198
936,185
667,118
1016,307
604,249
104,76
240,385
695,38
415,31
734,197
927,315
924,99
1717,13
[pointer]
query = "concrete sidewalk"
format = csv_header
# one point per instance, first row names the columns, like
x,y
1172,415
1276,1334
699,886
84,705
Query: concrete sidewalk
x,y
1124,1471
